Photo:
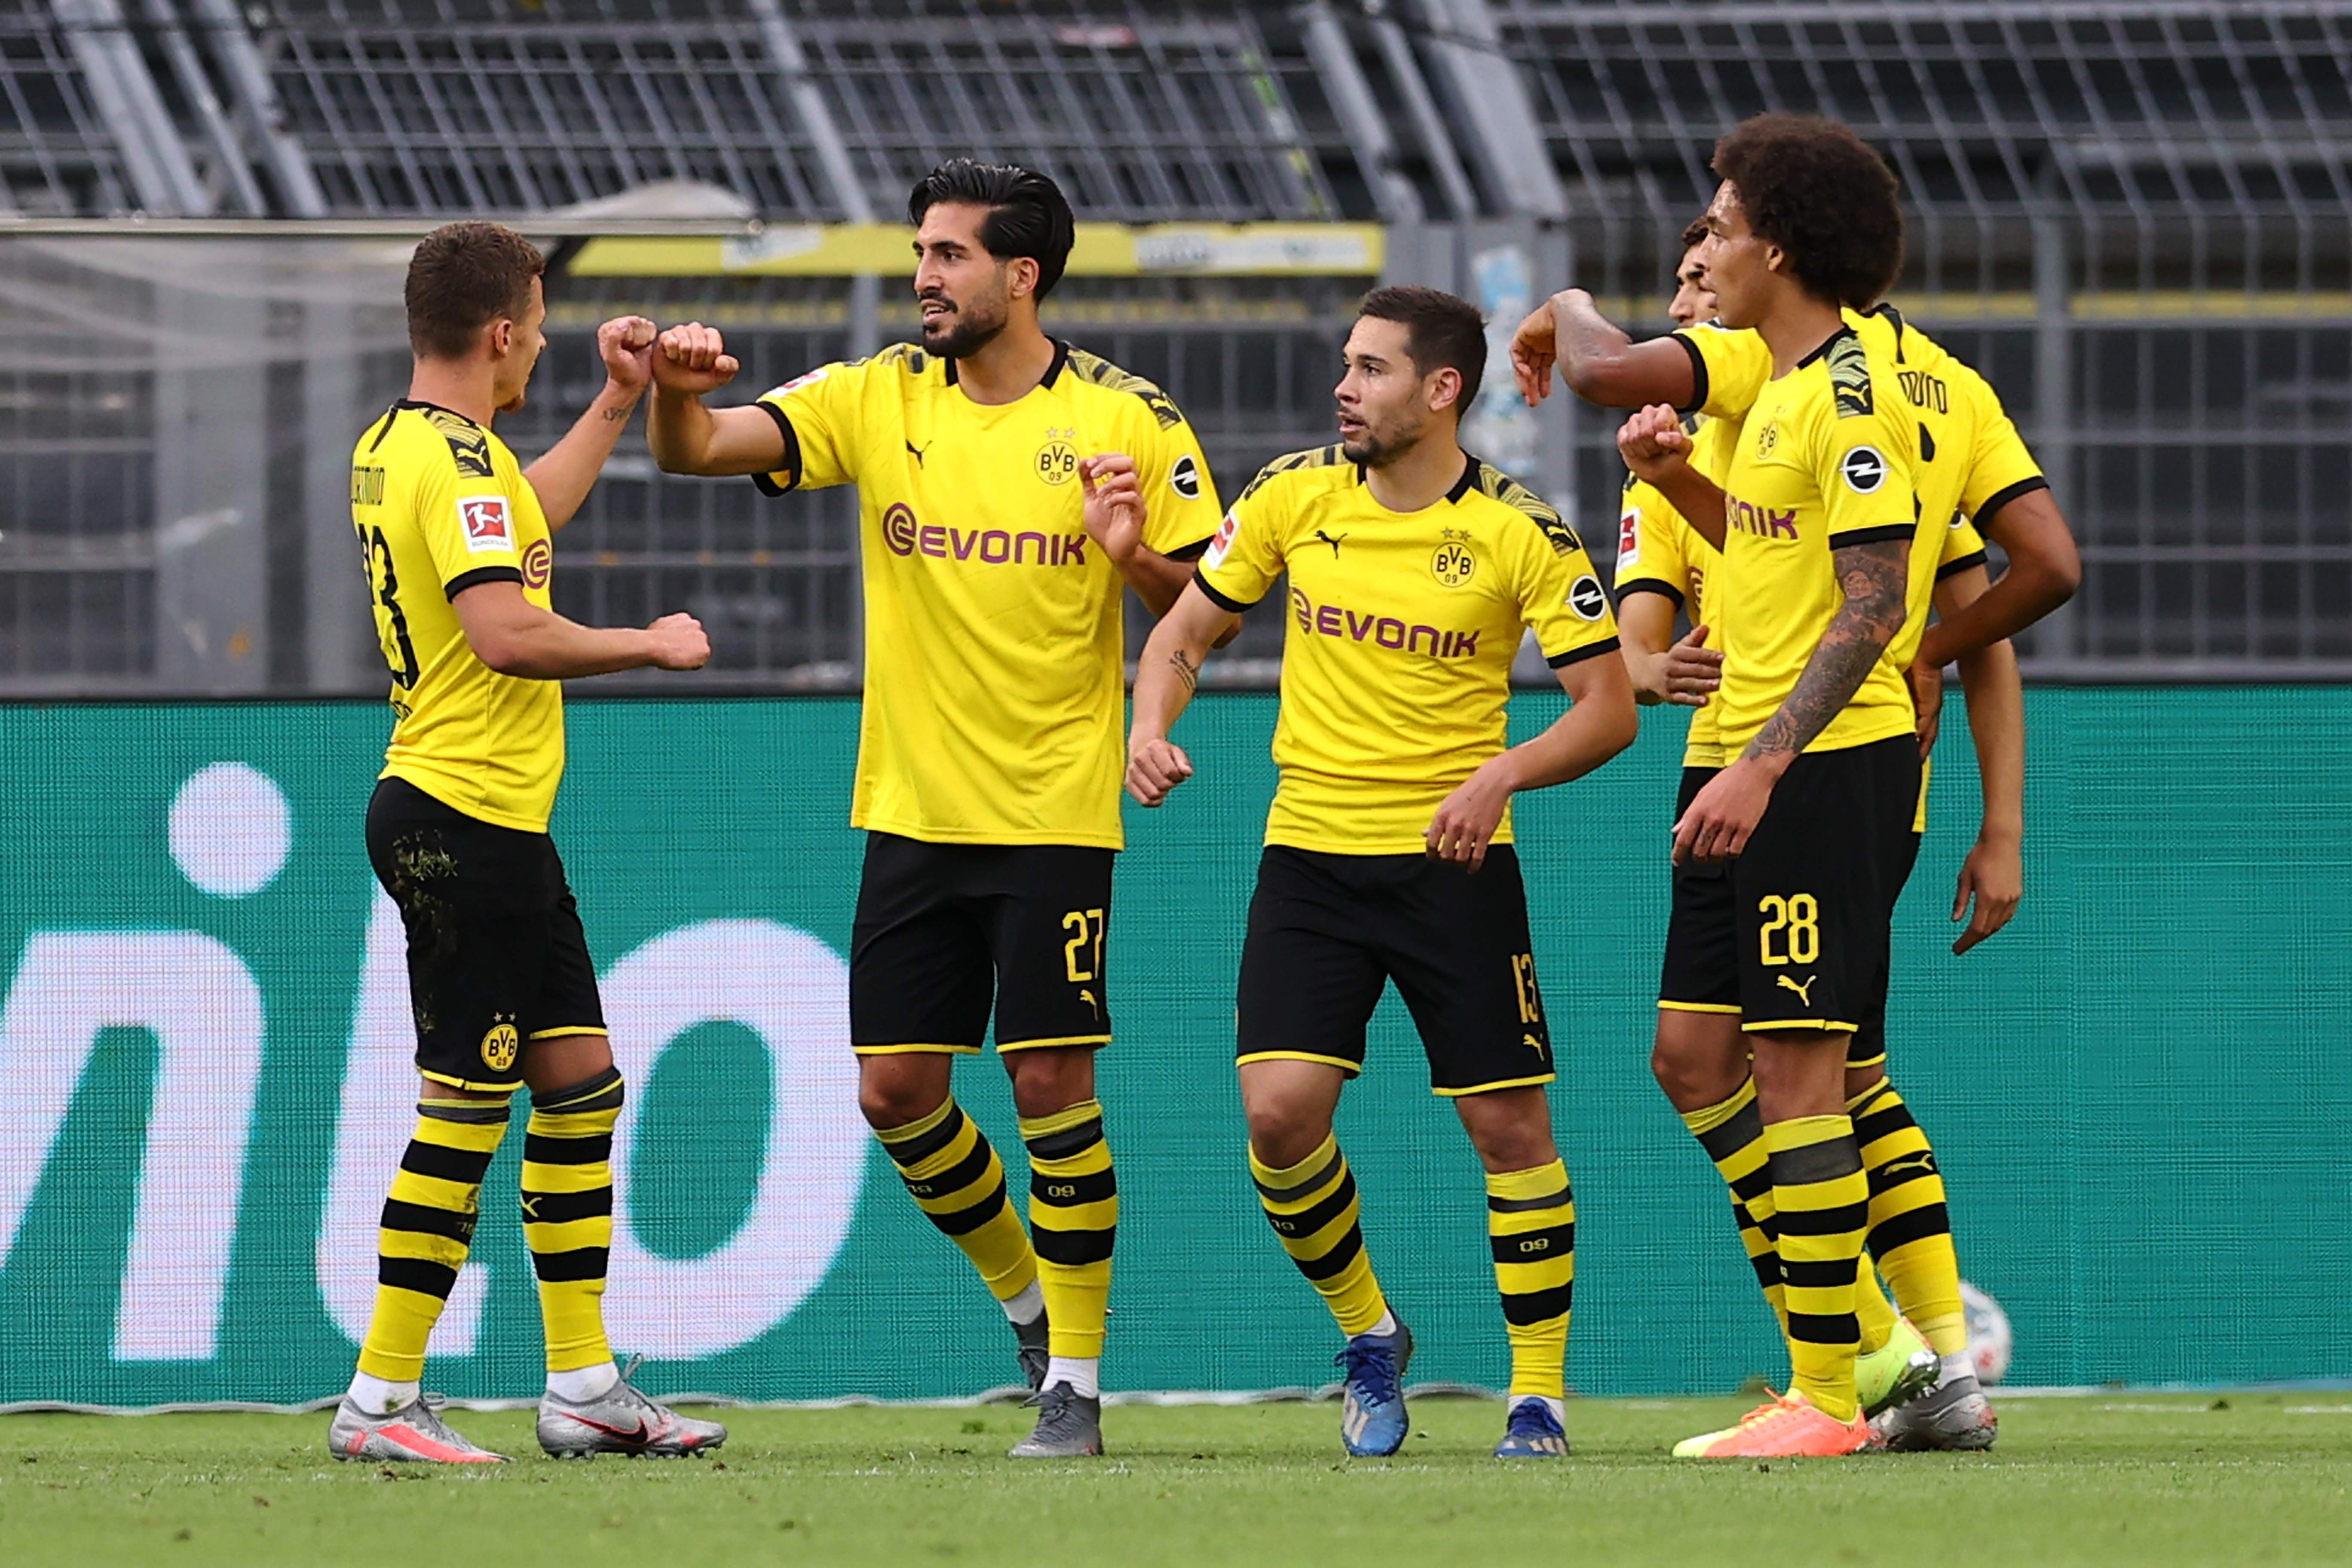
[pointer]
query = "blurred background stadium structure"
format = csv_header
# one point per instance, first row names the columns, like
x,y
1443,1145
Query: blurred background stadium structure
x,y
2137,217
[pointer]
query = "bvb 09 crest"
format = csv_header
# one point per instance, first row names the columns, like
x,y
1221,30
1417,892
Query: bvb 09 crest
x,y
1057,460
500,1047
1453,565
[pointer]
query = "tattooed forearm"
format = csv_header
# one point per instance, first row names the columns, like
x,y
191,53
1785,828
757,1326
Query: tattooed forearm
x,y
1186,671
1875,578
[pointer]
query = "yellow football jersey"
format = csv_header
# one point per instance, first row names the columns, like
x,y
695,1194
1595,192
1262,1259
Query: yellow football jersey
x,y
440,505
1826,457
995,687
1396,665
1659,552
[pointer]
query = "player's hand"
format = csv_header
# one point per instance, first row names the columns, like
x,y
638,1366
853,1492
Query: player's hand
x,y
1154,768
1653,443
1113,513
626,346
1534,347
693,359
679,643
1725,812
1995,873
1464,825
1927,698
1692,669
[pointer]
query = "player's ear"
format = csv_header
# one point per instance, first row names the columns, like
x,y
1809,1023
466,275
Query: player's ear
x,y
1021,280
1443,389
502,337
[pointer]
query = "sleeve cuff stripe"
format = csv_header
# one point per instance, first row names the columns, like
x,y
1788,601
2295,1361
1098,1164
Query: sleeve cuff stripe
x,y
1589,650
2002,497
1649,586
766,482
477,576
1231,605
1953,568
1881,535
1699,388
1190,551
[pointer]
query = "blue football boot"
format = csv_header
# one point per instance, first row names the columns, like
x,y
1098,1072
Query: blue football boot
x,y
1532,1433
1371,1417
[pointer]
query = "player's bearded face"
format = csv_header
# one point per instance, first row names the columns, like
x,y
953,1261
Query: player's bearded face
x,y
964,293
1383,397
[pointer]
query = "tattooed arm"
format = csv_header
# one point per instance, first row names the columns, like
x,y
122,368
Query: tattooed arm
x,y
1875,580
1165,679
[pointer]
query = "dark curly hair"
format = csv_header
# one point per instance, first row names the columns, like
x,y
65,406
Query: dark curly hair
x,y
1824,197
1027,214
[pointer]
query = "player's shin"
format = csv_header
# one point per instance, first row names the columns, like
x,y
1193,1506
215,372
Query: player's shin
x,y
1821,1203
1732,1133
1073,1222
952,1171
427,1227
567,1221
1910,1227
1531,1226
1313,1207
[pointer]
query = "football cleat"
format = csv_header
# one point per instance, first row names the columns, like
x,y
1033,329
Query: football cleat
x,y
1532,1433
1032,1342
1371,1414
1787,1427
414,1432
1069,1426
621,1420
1900,1370
1953,1416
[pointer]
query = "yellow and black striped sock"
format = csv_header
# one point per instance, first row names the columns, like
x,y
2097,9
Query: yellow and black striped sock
x,y
955,1177
567,1213
427,1226
1073,1222
1313,1207
1820,1201
1531,1226
1732,1133
1910,1227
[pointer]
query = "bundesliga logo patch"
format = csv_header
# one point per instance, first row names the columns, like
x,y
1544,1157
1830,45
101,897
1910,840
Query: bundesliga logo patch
x,y
1214,556
486,522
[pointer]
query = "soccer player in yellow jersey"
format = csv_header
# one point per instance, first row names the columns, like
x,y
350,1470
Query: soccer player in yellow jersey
x,y
455,537
1011,488
1413,571
1699,1060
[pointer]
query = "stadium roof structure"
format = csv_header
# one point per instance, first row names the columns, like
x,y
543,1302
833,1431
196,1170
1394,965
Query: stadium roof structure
x,y
1176,109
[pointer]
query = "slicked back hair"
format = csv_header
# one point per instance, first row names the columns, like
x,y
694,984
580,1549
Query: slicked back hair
x,y
1825,197
1693,232
463,276
1440,330
1027,214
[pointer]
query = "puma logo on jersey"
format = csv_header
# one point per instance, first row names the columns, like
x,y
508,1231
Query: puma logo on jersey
x,y
1804,993
917,452
1334,543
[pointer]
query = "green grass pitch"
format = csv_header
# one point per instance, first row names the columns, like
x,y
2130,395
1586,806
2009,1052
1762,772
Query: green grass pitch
x,y
2122,1479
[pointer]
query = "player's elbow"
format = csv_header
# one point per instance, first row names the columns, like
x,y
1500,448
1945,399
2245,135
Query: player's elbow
x,y
1599,376
498,652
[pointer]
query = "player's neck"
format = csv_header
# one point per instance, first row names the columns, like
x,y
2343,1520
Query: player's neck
x,y
461,387
1008,367
1420,477
1794,327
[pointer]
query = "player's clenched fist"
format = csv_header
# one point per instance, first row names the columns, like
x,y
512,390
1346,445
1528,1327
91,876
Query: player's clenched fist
x,y
1653,443
679,643
1155,767
693,359
625,344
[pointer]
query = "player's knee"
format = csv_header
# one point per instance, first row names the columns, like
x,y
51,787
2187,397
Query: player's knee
x,y
893,1095
1693,1068
1052,1079
1282,1131
1861,1080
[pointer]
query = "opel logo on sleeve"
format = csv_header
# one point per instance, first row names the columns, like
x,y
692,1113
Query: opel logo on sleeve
x,y
1863,469
1586,597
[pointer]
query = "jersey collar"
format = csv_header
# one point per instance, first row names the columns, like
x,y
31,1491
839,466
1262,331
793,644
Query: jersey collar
x,y
1053,371
420,403
1462,487
1827,343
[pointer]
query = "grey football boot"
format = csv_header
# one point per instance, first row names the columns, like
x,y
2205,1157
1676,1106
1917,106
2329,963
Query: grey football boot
x,y
1069,1426
413,1434
621,1420
1954,1416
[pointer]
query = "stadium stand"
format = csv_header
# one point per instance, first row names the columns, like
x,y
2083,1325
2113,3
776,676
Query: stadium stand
x,y
2134,216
